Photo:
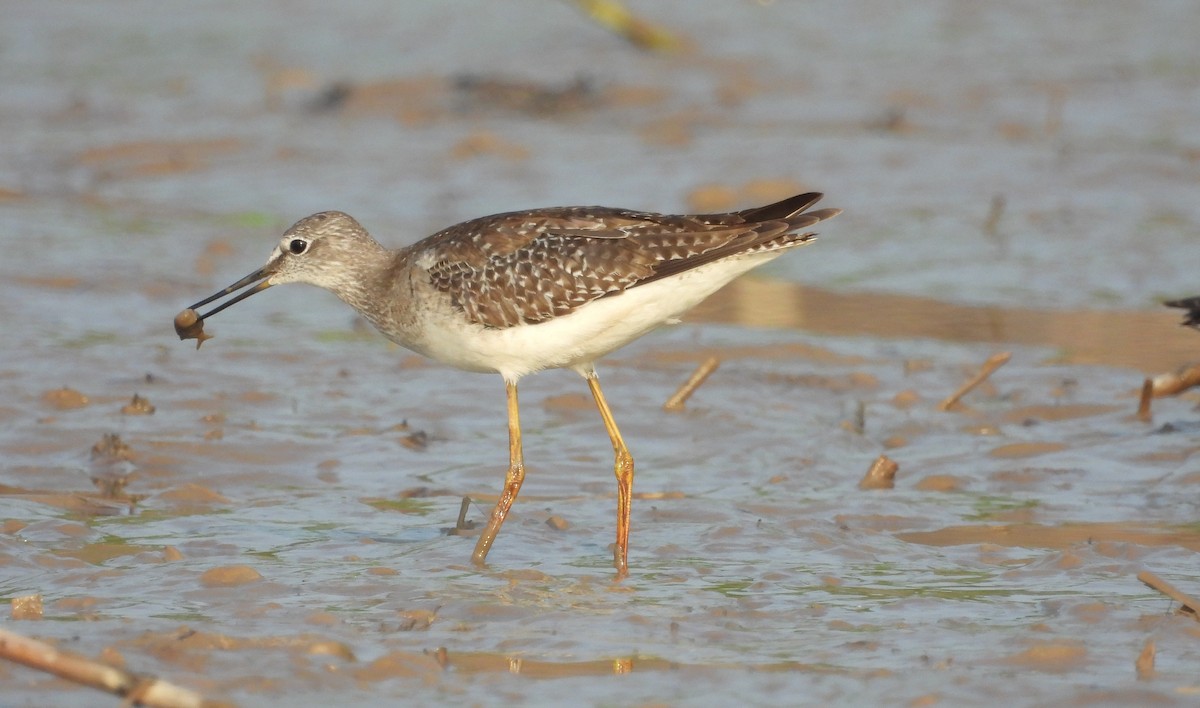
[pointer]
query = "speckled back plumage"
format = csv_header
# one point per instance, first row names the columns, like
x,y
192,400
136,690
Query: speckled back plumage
x,y
527,267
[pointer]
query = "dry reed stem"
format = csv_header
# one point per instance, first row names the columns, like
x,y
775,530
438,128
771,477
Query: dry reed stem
x,y
137,690
881,475
994,362
1190,604
684,392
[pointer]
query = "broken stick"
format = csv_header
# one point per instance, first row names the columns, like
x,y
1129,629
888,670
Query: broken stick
x,y
702,372
137,690
464,526
881,475
989,367
1176,382
1190,604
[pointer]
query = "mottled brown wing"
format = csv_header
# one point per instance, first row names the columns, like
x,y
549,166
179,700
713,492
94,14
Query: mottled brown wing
x,y
528,267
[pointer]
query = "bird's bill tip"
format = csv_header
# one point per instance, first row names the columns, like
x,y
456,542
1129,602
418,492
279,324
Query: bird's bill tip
x,y
259,279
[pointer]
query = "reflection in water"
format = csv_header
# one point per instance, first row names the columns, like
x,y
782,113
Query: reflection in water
x,y
1151,341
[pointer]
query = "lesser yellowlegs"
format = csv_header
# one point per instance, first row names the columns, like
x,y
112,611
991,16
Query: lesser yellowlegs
x,y
518,292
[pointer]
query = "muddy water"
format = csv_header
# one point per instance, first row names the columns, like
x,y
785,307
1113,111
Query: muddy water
x,y
267,523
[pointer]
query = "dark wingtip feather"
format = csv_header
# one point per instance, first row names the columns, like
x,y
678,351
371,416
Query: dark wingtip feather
x,y
1189,303
781,210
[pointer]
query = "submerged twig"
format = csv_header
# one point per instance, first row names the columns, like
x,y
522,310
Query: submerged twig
x,y
881,475
137,690
462,525
989,367
1143,411
684,392
1190,604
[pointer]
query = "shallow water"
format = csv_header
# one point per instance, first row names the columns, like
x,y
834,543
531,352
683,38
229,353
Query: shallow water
x,y
276,529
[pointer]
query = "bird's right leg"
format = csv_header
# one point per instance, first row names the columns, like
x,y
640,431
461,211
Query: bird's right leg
x,y
512,480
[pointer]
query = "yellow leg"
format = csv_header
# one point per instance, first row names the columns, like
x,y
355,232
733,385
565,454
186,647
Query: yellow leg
x,y
512,481
623,469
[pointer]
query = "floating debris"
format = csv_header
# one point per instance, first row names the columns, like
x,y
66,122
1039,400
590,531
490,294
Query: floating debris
x,y
27,607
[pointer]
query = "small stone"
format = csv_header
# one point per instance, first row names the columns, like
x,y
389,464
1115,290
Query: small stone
x,y
111,448
65,398
229,576
138,406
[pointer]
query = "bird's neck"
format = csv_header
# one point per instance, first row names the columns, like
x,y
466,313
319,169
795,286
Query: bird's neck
x,y
365,283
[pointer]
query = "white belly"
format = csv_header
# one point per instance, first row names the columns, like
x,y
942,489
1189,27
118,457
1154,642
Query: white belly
x,y
575,340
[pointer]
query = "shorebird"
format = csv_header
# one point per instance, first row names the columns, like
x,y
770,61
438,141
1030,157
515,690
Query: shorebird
x,y
523,291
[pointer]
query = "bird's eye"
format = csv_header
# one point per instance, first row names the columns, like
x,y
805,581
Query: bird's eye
x,y
298,246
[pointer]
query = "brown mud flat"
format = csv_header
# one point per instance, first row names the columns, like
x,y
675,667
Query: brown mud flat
x,y
1152,342
1058,537
994,466
999,521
